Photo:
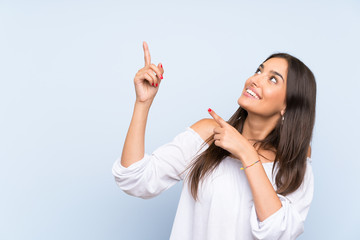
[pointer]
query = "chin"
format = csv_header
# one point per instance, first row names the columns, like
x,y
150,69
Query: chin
x,y
247,106
243,106
241,102
238,101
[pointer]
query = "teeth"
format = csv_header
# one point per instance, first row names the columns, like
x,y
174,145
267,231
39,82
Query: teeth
x,y
252,93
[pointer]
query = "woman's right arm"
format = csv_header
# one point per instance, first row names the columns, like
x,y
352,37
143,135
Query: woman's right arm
x,y
146,86
147,175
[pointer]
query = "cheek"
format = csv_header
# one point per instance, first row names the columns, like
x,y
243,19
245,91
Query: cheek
x,y
277,97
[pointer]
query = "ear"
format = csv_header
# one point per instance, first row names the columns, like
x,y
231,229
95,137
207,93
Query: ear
x,y
282,112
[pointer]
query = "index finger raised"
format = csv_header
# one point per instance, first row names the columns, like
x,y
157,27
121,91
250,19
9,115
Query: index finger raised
x,y
217,118
146,54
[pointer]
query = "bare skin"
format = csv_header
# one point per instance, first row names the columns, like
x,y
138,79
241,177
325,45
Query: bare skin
x,y
262,115
147,81
263,97
205,128
265,198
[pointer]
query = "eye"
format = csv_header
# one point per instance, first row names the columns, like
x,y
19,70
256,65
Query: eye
x,y
257,71
273,79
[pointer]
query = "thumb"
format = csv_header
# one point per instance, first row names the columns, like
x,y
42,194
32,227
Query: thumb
x,y
217,118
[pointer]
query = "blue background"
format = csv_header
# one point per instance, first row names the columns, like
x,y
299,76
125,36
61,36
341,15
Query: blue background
x,y
67,94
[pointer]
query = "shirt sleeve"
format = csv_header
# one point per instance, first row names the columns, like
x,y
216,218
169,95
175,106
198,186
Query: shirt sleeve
x,y
288,222
160,170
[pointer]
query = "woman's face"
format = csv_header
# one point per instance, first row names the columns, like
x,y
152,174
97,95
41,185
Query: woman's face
x,y
264,93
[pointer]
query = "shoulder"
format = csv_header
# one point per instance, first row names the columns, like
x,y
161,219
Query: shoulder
x,y
205,127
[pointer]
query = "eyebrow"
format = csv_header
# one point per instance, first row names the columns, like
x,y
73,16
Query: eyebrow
x,y
274,72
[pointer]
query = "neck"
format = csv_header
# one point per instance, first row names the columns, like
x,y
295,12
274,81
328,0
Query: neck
x,y
257,127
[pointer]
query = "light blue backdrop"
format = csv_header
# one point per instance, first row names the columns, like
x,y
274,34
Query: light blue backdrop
x,y
67,94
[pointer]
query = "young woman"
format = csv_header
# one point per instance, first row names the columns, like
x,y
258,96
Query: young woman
x,y
247,178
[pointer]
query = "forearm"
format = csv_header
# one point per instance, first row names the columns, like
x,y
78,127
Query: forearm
x,y
134,146
265,198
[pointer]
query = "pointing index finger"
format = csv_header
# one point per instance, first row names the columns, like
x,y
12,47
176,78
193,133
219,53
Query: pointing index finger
x,y
217,118
146,54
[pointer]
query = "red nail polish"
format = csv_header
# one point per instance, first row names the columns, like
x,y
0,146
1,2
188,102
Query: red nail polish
x,y
152,84
209,110
156,84
161,77
161,65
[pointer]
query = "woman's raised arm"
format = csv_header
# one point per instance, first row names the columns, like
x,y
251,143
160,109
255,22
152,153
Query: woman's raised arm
x,y
146,81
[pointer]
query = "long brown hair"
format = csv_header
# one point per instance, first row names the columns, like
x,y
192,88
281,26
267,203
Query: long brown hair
x,y
290,138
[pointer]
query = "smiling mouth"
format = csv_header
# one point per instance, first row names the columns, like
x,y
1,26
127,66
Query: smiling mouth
x,y
251,93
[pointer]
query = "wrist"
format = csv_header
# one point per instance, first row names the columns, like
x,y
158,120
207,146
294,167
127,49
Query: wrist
x,y
143,104
249,158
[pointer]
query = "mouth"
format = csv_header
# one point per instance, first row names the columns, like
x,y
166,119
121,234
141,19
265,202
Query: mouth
x,y
251,93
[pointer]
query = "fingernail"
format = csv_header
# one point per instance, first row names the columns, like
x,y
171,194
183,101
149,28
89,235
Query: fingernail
x,y
152,84
209,110
156,84
161,65
161,77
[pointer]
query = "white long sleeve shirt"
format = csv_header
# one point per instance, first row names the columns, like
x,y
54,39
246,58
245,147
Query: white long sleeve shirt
x,y
225,209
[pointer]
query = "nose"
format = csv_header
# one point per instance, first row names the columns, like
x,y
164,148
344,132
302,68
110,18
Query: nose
x,y
256,80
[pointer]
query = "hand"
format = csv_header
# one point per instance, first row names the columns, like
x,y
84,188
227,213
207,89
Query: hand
x,y
230,139
145,81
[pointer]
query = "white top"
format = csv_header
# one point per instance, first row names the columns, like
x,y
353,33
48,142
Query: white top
x,y
225,209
